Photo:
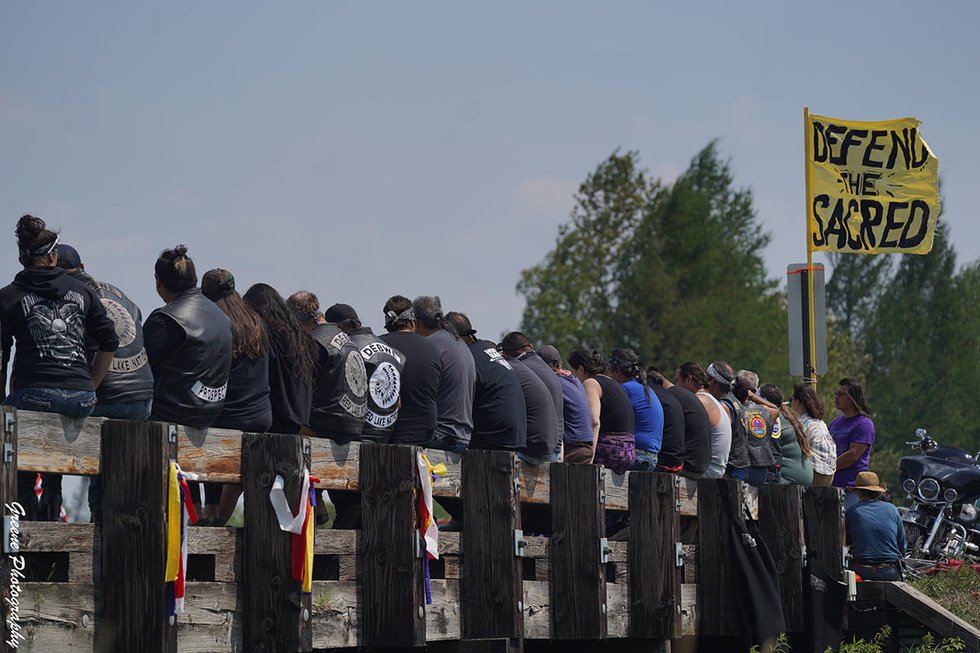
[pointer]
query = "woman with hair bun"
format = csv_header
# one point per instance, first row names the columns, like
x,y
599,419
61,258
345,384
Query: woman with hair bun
x,y
51,315
189,345
612,414
648,413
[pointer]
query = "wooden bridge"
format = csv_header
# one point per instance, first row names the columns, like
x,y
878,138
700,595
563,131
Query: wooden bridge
x,y
493,584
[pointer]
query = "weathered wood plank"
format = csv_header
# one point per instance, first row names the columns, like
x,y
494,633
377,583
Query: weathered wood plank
x,y
135,467
272,610
824,524
689,610
335,614
218,460
336,465
617,610
578,579
932,615
42,446
212,621
781,524
57,617
655,579
39,536
717,601
537,609
391,570
493,574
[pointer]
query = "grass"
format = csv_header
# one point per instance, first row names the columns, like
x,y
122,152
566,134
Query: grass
x,y
957,590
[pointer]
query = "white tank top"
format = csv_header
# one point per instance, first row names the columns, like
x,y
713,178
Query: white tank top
x,y
721,440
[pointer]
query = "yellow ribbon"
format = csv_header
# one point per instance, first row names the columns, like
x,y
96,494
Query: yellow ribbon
x,y
173,525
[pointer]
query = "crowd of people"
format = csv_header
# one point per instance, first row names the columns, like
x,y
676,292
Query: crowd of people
x,y
259,362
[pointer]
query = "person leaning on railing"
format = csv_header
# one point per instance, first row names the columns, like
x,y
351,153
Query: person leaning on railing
x,y
874,531
50,315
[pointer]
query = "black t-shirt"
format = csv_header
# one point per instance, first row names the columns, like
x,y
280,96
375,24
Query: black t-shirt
x,y
291,397
615,410
672,449
542,424
499,416
50,315
417,416
697,431
247,406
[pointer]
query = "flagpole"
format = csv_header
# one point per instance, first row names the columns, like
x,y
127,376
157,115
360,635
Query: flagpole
x,y
807,156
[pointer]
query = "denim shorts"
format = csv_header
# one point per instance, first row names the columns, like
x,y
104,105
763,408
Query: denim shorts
x,y
71,403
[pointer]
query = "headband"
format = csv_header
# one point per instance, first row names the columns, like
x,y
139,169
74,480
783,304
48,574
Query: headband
x,y
43,250
391,317
713,372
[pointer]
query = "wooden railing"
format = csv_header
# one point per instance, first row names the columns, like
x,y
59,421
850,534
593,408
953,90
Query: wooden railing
x,y
670,578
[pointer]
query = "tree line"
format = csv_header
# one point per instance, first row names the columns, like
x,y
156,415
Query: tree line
x,y
677,271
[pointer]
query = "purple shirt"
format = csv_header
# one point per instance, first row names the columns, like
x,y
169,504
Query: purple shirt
x,y
846,431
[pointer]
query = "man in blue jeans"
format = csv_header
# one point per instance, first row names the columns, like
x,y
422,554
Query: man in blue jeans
x,y
127,390
874,531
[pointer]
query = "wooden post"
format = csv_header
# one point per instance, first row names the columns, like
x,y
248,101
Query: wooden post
x,y
781,524
717,607
493,574
823,512
578,576
11,515
135,469
272,613
655,578
392,576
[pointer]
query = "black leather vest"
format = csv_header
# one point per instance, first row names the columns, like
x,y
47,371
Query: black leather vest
x,y
738,456
758,435
340,389
383,364
192,382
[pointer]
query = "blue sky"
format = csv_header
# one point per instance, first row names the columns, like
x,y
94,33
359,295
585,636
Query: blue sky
x,y
365,149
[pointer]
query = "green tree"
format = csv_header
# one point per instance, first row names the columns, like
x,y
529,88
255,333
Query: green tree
x,y
573,295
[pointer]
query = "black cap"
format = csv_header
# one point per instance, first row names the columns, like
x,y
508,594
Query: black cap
x,y
550,355
339,313
68,257
217,283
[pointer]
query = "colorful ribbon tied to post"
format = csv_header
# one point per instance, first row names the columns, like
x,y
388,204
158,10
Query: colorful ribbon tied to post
x,y
301,525
180,513
427,523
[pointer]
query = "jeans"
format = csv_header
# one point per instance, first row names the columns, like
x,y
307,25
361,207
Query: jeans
x,y
136,410
534,460
646,461
75,406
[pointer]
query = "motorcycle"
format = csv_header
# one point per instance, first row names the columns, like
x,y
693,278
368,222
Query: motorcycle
x,y
943,490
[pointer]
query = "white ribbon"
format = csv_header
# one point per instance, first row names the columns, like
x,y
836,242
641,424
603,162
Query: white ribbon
x,y
277,496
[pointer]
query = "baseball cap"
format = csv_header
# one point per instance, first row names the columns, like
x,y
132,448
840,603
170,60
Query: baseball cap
x,y
339,313
217,283
68,257
550,355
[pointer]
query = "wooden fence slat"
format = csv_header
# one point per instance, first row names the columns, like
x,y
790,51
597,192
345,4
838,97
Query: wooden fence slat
x,y
578,579
135,468
781,524
218,460
654,577
717,608
493,576
43,447
11,547
272,606
824,519
393,613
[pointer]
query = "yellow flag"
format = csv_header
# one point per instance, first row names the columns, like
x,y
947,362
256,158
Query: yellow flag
x,y
874,186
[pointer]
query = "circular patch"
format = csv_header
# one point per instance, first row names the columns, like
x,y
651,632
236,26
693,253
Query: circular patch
x,y
385,385
758,426
775,430
356,374
125,325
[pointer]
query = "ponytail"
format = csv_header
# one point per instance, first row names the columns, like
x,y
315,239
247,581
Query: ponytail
x,y
175,269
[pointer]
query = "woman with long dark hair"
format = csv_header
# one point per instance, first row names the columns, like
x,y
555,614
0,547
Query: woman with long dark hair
x,y
612,414
50,315
648,413
292,359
